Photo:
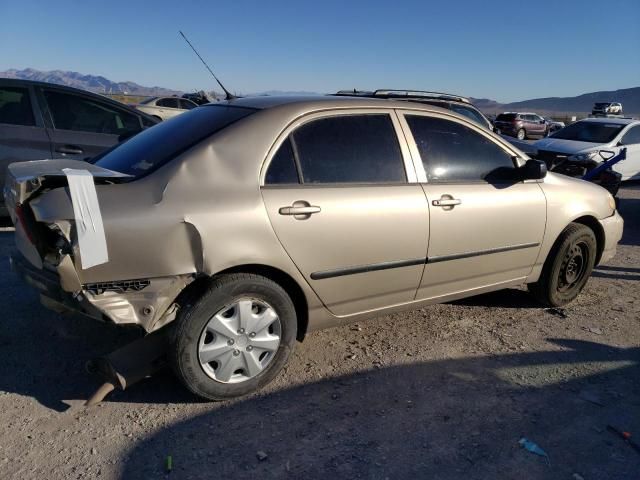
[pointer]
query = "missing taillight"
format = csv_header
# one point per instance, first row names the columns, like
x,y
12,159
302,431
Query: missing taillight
x,y
22,214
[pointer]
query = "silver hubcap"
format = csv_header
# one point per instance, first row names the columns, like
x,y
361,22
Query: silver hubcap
x,y
239,341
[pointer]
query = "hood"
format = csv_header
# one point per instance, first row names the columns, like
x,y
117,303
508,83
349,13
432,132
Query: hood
x,y
566,146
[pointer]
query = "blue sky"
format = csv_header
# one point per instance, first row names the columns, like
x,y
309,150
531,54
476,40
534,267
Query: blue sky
x,y
504,50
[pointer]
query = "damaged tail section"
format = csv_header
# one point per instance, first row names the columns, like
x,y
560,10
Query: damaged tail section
x,y
57,251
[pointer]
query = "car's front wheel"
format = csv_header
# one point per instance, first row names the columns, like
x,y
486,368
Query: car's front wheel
x,y
235,337
567,268
521,134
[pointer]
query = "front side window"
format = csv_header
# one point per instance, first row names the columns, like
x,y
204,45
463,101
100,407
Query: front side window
x,y
74,112
454,153
15,106
632,137
349,149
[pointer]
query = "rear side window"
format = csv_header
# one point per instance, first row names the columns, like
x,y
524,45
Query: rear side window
x,y
187,104
168,102
282,169
156,146
15,106
506,117
349,149
454,153
74,112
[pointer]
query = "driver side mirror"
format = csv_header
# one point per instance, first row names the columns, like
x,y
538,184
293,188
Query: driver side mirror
x,y
533,170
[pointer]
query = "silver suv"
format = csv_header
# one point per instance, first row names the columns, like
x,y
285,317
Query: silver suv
x,y
239,227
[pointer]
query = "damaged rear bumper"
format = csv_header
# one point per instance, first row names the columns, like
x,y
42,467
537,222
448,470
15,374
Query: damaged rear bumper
x,y
48,284
149,303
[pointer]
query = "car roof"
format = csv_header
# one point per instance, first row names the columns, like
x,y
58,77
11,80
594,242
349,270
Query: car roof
x,y
620,121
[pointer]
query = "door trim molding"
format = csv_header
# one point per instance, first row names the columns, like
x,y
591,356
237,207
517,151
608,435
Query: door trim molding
x,y
477,253
373,267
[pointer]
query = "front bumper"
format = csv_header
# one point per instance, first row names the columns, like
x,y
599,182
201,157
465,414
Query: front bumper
x,y
612,227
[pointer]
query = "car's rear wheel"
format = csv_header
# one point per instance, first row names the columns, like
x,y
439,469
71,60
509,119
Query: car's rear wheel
x,y
234,338
521,134
567,268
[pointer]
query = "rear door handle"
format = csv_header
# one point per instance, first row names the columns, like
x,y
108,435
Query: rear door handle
x,y
69,149
446,201
300,209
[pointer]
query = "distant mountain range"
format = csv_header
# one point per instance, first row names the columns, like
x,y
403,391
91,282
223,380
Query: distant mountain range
x,y
93,83
629,97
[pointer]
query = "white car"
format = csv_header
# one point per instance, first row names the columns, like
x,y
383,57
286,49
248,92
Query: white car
x,y
594,139
607,108
164,108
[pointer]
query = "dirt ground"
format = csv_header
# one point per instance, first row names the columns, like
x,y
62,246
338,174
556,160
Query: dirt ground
x,y
444,392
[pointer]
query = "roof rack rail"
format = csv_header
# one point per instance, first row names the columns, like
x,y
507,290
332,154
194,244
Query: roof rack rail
x,y
419,94
395,93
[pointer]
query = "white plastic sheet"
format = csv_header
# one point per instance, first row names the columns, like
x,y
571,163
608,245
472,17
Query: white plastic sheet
x,y
91,238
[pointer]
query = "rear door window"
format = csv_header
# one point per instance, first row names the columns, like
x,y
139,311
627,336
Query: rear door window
x,y
81,114
15,107
349,149
282,169
454,153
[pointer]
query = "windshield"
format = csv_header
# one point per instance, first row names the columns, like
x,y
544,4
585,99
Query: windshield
x,y
592,132
470,113
155,146
506,117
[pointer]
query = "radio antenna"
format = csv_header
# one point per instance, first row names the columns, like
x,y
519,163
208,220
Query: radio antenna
x,y
228,95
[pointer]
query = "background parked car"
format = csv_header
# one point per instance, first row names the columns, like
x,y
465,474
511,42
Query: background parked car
x,y
164,108
607,108
521,125
41,121
199,98
554,125
593,140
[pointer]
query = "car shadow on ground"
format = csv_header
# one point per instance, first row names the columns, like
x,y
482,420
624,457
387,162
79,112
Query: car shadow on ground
x,y
448,419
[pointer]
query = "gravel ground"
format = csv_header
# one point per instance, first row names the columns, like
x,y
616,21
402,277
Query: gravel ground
x,y
443,392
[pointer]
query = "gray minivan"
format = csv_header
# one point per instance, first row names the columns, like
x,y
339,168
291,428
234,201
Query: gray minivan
x,y
41,120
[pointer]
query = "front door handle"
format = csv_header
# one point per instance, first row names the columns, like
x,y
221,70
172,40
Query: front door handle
x,y
69,149
447,202
300,209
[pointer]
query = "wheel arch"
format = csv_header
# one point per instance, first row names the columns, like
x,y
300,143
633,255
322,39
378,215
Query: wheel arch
x,y
289,285
593,223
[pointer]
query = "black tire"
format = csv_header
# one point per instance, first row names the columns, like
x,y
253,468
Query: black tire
x,y
521,134
567,268
196,313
